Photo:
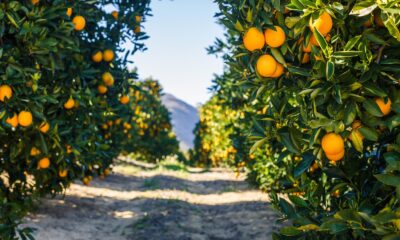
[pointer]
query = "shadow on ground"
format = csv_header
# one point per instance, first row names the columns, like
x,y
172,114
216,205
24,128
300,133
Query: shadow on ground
x,y
163,182
157,205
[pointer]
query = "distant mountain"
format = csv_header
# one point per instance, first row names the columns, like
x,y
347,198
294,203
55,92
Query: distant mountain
x,y
184,118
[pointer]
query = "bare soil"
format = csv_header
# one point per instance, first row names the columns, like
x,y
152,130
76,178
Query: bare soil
x,y
147,202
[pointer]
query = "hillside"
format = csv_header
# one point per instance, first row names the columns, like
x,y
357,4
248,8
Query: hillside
x,y
184,119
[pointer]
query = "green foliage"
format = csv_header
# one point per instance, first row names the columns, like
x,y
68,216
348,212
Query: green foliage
x,y
46,62
356,197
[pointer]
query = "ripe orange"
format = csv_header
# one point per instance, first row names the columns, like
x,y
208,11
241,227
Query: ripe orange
x,y
378,20
275,38
13,121
317,58
367,23
44,163
79,23
278,72
323,23
306,58
69,149
44,127
69,12
307,49
138,18
108,55
384,107
62,173
253,39
115,14
5,92
332,144
124,99
97,57
34,2
34,151
335,157
266,65
108,79
69,104
25,118
102,89
137,30
86,181
313,40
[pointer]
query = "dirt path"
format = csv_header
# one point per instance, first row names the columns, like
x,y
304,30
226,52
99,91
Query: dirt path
x,y
146,203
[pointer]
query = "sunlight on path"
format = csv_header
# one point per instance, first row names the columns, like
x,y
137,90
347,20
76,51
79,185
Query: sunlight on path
x,y
148,202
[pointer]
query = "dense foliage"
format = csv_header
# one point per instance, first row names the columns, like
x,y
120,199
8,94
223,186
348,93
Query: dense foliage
x,y
64,81
327,73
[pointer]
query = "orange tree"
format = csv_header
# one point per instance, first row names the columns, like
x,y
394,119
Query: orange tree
x,y
328,73
50,109
154,138
212,144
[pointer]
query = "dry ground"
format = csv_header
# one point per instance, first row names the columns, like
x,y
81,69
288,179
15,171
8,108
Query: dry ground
x,y
164,203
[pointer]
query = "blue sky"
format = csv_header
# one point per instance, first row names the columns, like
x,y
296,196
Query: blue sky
x,y
179,31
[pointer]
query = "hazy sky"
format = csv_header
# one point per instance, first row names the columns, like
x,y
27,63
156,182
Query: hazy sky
x,y
179,31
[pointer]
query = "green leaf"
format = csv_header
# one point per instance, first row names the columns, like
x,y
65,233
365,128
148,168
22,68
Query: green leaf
x,y
298,201
330,70
372,108
304,164
387,179
290,231
369,133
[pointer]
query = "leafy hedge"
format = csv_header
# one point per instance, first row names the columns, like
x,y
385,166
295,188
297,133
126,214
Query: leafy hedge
x,y
64,80
334,81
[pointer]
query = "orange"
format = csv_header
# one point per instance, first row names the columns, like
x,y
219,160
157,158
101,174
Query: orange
x,y
86,181
307,49
34,2
275,38
34,151
367,23
317,58
44,163
115,14
124,99
62,173
332,144
69,104
335,157
137,30
25,118
266,65
97,57
306,58
69,149
278,72
108,79
108,55
384,107
323,23
378,20
253,39
79,23
313,40
102,89
5,92
44,127
328,38
13,121
107,172
69,12
138,18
